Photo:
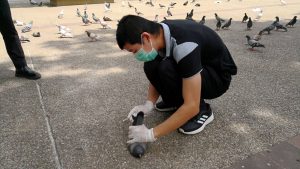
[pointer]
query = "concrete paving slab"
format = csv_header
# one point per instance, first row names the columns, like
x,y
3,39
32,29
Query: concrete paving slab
x,y
24,136
89,87
281,156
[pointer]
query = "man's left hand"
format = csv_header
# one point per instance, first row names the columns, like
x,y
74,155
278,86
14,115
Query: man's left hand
x,y
140,134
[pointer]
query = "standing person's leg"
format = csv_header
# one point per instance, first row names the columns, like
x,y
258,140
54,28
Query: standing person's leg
x,y
13,44
10,36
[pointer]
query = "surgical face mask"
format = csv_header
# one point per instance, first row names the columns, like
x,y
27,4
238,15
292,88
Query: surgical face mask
x,y
144,56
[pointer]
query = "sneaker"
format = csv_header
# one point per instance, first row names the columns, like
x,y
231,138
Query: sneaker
x,y
27,73
197,123
162,106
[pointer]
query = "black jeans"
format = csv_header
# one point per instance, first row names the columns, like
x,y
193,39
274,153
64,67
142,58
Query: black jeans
x,y
10,36
163,75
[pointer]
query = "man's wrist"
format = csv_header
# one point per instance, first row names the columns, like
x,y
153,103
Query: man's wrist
x,y
149,104
153,137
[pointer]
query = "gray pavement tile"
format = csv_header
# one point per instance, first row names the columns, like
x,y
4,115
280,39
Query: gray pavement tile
x,y
281,156
24,140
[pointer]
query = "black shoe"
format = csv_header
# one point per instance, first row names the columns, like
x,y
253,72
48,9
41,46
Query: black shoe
x,y
27,73
197,123
161,106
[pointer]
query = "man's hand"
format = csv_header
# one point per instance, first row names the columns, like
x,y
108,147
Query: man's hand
x,y
145,108
140,134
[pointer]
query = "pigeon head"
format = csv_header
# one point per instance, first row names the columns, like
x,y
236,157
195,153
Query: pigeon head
x,y
247,36
277,19
88,33
93,14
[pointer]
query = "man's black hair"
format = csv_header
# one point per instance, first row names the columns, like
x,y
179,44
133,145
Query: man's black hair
x,y
131,27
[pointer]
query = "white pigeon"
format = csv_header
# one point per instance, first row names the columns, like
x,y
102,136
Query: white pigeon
x,y
283,2
93,36
61,14
66,35
19,23
104,24
107,7
123,4
259,13
24,39
63,29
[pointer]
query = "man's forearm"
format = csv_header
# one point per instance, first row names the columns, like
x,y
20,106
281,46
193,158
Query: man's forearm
x,y
152,94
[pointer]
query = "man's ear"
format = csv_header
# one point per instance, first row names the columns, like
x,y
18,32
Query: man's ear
x,y
146,36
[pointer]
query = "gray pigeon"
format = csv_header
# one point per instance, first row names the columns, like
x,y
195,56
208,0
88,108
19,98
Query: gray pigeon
x,y
169,12
172,4
189,16
105,18
249,24
202,21
93,36
155,19
36,34
218,18
161,5
227,24
253,43
85,14
78,12
138,12
245,18
292,22
129,5
27,27
33,2
278,25
218,25
95,18
85,20
268,29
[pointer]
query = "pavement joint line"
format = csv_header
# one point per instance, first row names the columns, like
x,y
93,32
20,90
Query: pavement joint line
x,y
46,117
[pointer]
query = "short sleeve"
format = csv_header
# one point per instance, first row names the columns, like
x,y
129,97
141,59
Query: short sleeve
x,y
188,58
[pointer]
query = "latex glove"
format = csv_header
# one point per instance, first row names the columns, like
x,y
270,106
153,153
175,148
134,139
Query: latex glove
x,y
140,134
146,108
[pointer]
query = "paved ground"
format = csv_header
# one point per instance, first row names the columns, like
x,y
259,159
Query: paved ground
x,y
72,117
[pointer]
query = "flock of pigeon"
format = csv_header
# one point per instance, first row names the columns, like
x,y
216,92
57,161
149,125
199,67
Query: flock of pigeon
x,y
253,42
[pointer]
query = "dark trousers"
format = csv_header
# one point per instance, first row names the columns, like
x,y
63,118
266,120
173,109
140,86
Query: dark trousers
x,y
10,36
164,76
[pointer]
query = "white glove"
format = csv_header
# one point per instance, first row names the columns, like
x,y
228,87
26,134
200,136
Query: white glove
x,y
145,108
140,134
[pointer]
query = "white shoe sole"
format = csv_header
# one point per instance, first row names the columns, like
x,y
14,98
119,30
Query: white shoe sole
x,y
209,120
